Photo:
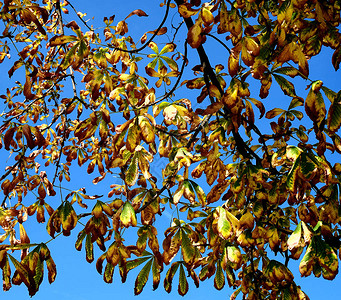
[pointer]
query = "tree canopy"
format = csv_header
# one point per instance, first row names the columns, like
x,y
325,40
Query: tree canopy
x,y
162,125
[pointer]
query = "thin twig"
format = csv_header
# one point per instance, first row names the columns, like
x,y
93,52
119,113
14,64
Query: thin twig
x,y
152,37
219,41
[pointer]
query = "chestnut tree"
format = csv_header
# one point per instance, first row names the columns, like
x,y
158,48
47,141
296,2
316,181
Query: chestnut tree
x,y
180,116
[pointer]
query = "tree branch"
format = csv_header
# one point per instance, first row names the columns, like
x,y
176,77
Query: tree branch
x,y
152,37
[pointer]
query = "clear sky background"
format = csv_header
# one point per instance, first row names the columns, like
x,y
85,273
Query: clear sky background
x,y
78,280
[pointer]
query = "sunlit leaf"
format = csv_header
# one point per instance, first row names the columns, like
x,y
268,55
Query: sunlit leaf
x,y
142,277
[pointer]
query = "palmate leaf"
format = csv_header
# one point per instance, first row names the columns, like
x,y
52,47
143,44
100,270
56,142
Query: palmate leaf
x,y
23,273
274,112
320,253
142,277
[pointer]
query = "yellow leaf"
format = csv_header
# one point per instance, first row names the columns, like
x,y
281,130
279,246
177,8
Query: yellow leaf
x,y
194,37
147,130
186,10
128,216
207,16
315,107
247,221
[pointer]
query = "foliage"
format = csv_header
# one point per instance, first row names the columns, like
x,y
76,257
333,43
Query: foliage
x,y
114,105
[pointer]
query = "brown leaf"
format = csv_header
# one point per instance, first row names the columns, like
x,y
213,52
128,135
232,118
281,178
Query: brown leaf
x,y
8,137
28,134
137,12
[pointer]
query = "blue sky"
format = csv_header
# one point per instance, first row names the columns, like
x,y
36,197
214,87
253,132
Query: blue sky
x,y
78,280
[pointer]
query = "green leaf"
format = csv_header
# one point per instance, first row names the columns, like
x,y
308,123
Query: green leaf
x,y
258,209
204,272
224,227
188,191
200,193
89,249
331,95
219,279
293,152
286,86
133,137
307,166
142,277
169,276
132,172
321,254
6,275
22,271
68,217
79,241
292,176
108,273
234,256
290,71
168,48
128,215
295,102
156,270
187,249
132,264
39,271
274,112
183,284
172,64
